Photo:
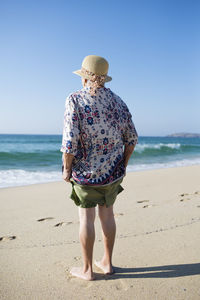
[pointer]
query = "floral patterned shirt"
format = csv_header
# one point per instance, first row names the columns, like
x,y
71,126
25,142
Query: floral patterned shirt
x,y
95,130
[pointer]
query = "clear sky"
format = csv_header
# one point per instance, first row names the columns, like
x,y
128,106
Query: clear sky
x,y
152,46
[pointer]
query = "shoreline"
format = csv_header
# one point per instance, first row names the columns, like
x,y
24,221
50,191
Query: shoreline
x,y
128,172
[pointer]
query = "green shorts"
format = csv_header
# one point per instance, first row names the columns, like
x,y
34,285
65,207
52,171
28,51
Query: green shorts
x,y
89,196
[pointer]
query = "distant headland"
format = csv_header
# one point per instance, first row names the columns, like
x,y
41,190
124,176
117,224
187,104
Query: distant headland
x,y
184,134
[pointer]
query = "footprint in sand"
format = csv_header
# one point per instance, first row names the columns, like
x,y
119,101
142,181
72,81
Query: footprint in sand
x,y
5,238
184,199
184,194
77,257
44,219
187,194
141,201
145,206
62,224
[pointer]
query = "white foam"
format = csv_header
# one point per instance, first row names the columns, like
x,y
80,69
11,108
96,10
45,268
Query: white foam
x,y
171,164
10,178
141,147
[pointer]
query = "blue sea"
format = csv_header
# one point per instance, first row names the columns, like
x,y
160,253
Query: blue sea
x,y
29,159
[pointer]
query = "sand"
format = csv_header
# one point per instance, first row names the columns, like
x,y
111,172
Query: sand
x,y
156,253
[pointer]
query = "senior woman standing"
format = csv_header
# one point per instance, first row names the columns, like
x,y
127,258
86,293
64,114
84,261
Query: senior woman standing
x,y
99,137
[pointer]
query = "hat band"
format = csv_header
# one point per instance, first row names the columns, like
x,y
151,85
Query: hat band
x,y
96,80
92,75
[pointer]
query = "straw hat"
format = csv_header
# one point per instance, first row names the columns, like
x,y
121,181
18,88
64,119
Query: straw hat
x,y
94,65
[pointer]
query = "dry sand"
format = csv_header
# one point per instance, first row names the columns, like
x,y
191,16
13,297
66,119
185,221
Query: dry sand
x,y
157,249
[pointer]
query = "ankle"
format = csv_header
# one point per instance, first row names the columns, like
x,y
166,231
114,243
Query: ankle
x,y
87,269
106,261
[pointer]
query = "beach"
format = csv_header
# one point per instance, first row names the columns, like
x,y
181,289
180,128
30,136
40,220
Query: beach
x,y
157,248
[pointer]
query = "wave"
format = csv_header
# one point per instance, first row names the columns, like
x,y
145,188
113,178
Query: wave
x,y
21,177
30,160
162,148
141,147
4,154
169,164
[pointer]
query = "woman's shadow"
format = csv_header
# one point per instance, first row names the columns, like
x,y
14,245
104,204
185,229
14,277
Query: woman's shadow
x,y
166,271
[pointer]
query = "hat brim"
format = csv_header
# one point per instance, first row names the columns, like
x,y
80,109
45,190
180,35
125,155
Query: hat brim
x,y
78,72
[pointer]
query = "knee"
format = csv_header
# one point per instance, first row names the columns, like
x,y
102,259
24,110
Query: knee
x,y
106,214
87,216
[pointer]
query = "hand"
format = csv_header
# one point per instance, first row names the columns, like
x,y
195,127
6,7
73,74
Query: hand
x,y
66,175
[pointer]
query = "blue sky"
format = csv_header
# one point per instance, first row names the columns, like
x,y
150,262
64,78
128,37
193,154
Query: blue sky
x,y
153,50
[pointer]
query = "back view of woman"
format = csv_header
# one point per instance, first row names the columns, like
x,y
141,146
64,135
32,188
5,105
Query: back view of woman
x,y
99,137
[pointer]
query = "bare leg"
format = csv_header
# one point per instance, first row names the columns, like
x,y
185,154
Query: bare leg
x,y
108,232
87,237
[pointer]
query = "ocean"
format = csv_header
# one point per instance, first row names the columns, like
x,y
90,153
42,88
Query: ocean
x,y
28,159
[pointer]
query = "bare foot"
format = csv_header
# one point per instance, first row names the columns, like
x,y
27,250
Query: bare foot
x,y
107,269
78,272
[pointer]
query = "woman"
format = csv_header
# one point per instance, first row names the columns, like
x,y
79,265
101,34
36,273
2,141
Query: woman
x,y
98,140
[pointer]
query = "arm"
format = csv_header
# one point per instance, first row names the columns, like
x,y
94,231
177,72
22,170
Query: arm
x,y
70,138
128,150
130,137
67,163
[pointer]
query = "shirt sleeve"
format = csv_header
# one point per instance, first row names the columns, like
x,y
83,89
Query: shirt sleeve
x,y
130,135
71,129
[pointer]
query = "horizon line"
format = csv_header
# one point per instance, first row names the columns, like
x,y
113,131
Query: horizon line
x,y
166,135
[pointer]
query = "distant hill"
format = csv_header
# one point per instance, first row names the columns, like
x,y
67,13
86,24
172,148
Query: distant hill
x,y
184,134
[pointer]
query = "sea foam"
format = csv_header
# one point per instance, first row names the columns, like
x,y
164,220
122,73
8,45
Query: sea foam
x,y
169,164
141,147
14,177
